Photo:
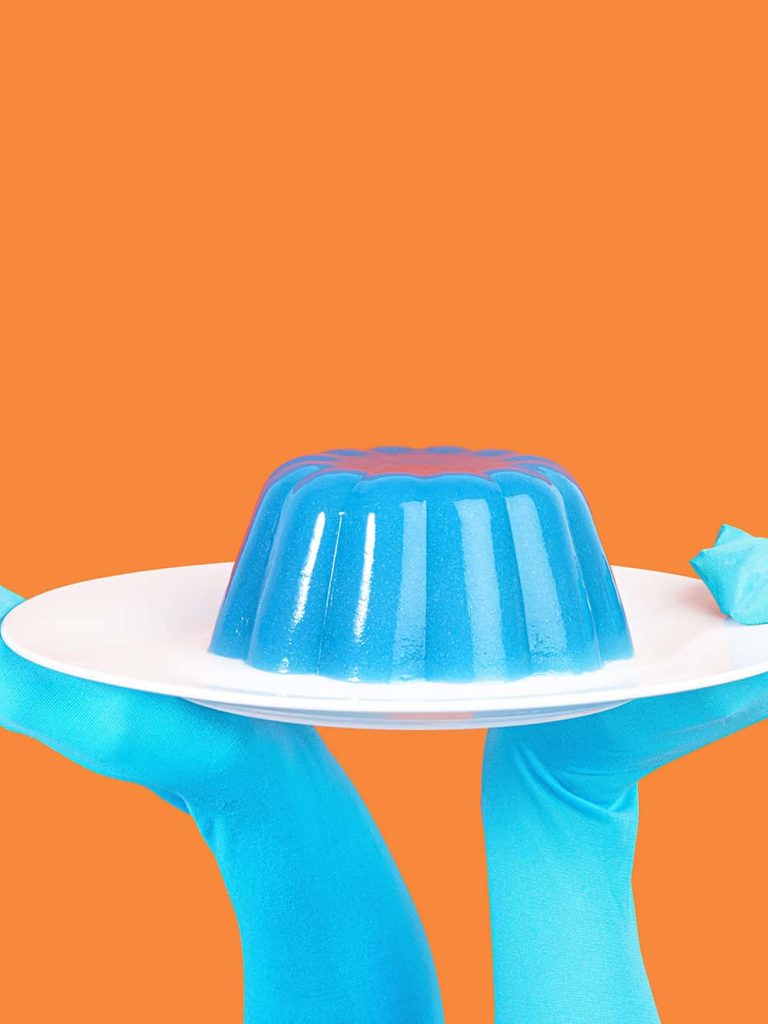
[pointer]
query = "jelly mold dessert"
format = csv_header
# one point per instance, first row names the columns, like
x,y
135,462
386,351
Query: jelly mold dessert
x,y
434,564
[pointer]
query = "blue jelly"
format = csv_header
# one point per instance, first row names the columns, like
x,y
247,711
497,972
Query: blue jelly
x,y
436,564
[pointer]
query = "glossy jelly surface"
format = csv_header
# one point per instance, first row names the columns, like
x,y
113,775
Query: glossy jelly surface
x,y
436,564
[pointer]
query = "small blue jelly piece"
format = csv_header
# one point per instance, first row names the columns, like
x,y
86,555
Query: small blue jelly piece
x,y
736,572
436,564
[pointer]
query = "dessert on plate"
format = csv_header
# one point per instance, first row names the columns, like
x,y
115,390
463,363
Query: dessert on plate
x,y
438,564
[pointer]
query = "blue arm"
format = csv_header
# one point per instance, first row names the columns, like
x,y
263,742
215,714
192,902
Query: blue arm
x,y
560,808
328,930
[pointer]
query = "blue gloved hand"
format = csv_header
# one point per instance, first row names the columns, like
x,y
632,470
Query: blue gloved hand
x,y
735,570
328,930
560,811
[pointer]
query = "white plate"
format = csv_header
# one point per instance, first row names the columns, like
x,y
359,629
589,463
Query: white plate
x,y
150,631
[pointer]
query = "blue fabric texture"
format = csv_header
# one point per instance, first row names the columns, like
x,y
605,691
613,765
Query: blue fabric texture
x,y
328,930
736,572
560,807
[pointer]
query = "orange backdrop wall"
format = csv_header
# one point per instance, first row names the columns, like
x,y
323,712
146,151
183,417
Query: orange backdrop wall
x,y
235,232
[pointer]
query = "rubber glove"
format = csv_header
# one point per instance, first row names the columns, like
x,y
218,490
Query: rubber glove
x,y
328,930
560,808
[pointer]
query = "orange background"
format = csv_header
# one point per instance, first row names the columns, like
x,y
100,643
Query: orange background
x,y
237,232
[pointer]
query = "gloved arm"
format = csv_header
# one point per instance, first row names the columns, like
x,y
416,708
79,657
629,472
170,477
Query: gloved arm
x,y
560,812
328,930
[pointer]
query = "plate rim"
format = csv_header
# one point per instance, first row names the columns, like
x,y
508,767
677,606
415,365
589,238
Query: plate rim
x,y
363,702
